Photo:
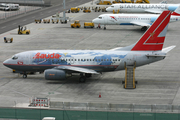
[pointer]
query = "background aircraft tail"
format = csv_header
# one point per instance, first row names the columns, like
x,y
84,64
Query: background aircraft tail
x,y
153,38
176,12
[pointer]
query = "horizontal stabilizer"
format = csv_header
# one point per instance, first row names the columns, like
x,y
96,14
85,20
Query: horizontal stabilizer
x,y
166,50
77,69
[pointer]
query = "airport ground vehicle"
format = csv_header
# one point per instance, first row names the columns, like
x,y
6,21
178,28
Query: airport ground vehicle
x,y
76,24
88,25
55,20
38,21
23,30
75,10
104,3
46,20
142,1
7,7
8,40
86,10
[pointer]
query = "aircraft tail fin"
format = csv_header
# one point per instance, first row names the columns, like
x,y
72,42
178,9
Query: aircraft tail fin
x,y
176,12
153,38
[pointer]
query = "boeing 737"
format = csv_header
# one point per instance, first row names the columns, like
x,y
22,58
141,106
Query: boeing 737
x,y
56,64
141,8
144,20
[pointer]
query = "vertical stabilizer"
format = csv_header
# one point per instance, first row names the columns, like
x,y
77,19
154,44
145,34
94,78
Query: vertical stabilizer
x,y
153,38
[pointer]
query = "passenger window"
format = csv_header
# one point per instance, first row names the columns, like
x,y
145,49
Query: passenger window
x,y
78,59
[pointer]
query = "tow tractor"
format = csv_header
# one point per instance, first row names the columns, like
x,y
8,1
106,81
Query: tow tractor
x,y
23,30
76,24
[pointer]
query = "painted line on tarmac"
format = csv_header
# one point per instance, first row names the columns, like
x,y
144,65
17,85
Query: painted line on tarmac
x,y
4,35
24,19
14,23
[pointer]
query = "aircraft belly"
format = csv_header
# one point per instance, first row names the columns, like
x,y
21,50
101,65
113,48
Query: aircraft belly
x,y
34,68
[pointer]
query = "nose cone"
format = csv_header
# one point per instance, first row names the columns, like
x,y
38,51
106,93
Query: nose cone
x,y
95,21
6,62
108,9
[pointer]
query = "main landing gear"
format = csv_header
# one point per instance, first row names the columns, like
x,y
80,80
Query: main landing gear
x,y
25,75
144,28
82,78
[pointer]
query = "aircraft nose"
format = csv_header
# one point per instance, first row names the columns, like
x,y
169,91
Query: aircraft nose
x,y
108,9
94,20
6,62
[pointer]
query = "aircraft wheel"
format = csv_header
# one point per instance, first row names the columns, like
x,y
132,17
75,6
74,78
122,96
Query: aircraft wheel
x,y
104,28
144,28
24,75
88,75
82,79
123,82
136,82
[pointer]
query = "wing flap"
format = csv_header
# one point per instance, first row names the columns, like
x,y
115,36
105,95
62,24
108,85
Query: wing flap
x,y
77,69
153,11
140,23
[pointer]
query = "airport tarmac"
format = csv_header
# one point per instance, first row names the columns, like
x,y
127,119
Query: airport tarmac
x,y
158,83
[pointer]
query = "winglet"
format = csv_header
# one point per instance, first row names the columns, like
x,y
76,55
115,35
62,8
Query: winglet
x,y
153,38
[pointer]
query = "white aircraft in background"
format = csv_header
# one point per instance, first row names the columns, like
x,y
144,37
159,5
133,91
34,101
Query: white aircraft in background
x,y
144,20
56,64
141,8
7,7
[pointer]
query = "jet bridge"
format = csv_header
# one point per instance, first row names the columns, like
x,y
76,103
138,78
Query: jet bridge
x,y
129,82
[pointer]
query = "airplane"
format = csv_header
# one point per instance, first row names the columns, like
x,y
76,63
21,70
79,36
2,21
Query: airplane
x,y
58,64
141,8
144,20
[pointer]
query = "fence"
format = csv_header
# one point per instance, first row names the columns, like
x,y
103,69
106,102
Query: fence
x,y
93,111
22,10
38,114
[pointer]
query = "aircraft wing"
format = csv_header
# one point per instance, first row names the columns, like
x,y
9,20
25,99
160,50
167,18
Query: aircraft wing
x,y
153,11
77,69
140,23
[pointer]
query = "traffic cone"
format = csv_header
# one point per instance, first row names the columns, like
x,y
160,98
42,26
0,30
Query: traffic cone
x,y
99,95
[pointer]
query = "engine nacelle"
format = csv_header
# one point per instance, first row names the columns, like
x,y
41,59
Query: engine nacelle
x,y
53,74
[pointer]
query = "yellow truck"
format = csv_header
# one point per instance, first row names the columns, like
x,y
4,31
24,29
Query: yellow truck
x,y
76,24
126,1
142,1
116,1
23,30
75,10
86,10
38,21
88,25
46,20
104,3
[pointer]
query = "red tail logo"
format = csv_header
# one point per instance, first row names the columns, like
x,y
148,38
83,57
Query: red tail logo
x,y
153,38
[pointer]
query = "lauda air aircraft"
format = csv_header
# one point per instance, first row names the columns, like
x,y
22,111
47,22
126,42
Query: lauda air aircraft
x,y
56,64
144,20
141,8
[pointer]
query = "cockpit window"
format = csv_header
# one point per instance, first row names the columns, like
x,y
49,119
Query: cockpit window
x,y
112,6
14,57
100,17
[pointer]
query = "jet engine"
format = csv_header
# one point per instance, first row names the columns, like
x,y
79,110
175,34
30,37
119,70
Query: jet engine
x,y
54,74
